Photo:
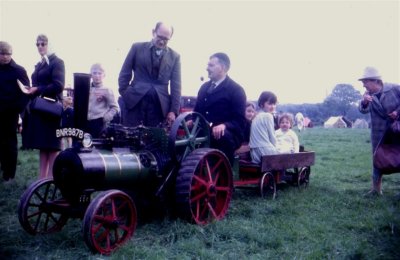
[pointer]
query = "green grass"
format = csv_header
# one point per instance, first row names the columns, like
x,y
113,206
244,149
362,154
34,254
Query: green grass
x,y
331,219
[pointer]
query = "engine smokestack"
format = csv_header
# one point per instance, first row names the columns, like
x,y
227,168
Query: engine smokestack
x,y
81,99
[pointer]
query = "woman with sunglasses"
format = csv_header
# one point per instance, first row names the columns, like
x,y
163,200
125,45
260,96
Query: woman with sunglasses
x,y
48,80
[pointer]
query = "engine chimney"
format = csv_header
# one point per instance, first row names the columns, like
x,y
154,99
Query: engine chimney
x,y
81,99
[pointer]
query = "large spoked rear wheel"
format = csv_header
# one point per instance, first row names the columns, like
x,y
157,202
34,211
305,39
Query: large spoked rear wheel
x,y
268,186
303,178
35,212
204,186
109,221
189,131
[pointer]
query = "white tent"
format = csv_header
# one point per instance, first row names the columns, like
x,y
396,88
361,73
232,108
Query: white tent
x,y
360,123
335,122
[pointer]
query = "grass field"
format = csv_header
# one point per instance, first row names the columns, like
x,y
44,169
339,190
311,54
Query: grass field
x,y
331,219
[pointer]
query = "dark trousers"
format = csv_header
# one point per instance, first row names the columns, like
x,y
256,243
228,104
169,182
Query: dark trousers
x,y
227,144
95,127
8,144
147,112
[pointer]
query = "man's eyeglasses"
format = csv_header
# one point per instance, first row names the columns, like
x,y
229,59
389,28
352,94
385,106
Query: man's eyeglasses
x,y
41,44
162,38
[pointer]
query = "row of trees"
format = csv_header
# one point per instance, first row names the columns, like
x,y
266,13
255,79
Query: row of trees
x,y
343,101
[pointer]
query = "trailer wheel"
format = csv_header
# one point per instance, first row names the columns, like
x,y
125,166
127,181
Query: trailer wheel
x,y
189,131
204,186
109,221
303,178
34,211
268,186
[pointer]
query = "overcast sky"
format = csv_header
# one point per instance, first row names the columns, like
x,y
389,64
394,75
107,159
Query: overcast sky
x,y
298,49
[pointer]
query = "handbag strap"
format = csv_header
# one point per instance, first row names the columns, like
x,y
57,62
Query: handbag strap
x,y
49,99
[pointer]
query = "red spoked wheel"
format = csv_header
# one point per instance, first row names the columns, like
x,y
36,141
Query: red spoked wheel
x,y
303,178
268,186
204,186
35,211
109,221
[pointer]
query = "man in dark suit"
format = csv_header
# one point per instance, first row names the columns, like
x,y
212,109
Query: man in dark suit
x,y
144,78
12,103
223,103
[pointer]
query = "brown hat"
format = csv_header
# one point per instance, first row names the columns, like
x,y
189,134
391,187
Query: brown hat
x,y
370,73
5,48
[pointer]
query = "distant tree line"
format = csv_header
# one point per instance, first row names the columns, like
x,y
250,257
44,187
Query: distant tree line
x,y
343,101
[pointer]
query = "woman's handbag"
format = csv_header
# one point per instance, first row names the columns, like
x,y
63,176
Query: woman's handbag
x,y
386,156
47,106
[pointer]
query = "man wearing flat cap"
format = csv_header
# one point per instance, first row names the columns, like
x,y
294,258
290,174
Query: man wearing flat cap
x,y
12,103
382,101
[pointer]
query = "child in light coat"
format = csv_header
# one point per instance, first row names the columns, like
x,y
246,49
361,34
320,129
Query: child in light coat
x,y
286,139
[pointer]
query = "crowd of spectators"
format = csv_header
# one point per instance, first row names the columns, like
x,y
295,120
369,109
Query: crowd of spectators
x,y
149,85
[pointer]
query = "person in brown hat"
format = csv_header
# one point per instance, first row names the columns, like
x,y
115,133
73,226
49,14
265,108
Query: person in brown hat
x,y
382,101
12,103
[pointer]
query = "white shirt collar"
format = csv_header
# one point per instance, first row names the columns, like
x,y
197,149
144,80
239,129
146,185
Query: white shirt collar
x,y
45,58
219,81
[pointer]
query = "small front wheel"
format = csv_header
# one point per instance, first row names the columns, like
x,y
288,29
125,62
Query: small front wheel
x,y
109,221
35,212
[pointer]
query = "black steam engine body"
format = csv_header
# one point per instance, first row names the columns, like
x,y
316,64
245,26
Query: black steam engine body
x,y
101,180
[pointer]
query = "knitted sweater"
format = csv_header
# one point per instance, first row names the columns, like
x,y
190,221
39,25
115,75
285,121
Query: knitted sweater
x,y
102,104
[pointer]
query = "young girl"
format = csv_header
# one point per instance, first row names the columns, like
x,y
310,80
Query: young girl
x,y
286,139
250,114
250,111
262,133
243,151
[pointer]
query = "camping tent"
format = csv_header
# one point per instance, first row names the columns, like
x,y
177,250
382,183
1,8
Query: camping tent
x,y
335,122
308,122
360,123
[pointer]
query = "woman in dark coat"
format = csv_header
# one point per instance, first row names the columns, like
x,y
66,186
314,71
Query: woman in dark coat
x,y
382,102
40,129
